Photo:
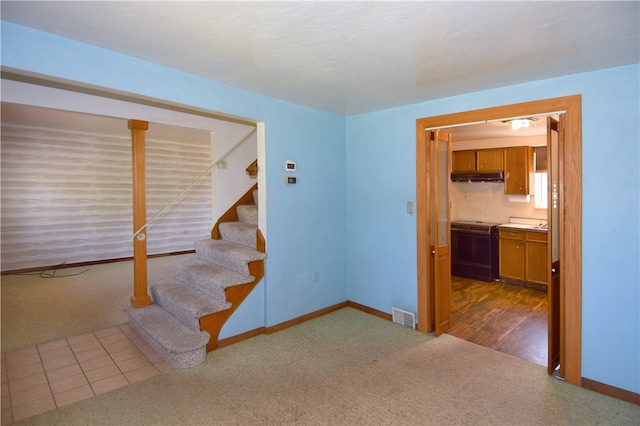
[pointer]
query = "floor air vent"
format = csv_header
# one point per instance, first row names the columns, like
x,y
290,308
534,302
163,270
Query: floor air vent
x,y
402,317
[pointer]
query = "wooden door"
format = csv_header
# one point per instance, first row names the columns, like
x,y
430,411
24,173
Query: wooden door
x,y
439,225
569,205
555,137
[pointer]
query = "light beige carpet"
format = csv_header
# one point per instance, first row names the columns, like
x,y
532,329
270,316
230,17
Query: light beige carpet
x,y
71,301
344,368
349,368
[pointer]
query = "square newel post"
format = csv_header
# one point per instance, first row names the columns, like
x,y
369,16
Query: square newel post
x,y
140,296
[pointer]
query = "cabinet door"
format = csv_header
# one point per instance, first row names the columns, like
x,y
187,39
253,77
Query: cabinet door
x,y
463,161
537,269
490,160
512,259
518,164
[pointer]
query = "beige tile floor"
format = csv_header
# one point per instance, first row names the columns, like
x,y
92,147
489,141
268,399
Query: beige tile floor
x,y
54,374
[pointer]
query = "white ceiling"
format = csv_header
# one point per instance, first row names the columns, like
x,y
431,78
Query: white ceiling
x,y
353,57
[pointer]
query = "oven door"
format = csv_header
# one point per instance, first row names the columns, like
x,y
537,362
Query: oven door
x,y
473,254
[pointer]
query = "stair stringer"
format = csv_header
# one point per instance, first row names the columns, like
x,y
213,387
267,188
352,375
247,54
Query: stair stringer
x,y
235,295
231,215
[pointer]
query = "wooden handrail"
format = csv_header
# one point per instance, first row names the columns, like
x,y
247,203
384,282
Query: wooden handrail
x,y
175,199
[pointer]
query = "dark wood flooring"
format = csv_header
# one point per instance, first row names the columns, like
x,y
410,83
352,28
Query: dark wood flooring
x,y
504,317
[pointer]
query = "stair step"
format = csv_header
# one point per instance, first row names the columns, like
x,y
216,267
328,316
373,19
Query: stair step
x,y
209,278
248,213
233,256
177,344
185,302
239,233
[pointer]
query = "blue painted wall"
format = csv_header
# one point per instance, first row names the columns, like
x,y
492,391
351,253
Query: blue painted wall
x,y
381,179
306,223
357,235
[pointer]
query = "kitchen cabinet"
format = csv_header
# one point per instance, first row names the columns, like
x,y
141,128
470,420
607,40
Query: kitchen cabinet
x,y
511,247
518,168
537,258
523,256
490,160
463,161
483,160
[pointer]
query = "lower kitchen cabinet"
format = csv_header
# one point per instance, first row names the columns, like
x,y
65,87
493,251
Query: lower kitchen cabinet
x,y
537,258
523,256
512,254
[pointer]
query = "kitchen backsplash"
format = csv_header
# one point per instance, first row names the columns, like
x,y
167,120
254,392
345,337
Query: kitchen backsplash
x,y
487,202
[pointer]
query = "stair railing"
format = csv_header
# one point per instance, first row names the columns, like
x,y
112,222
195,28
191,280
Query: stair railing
x,y
138,234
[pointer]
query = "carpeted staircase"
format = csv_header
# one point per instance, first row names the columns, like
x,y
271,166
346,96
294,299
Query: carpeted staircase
x,y
189,310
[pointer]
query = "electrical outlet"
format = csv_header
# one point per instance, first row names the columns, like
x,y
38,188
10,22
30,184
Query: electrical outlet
x,y
315,275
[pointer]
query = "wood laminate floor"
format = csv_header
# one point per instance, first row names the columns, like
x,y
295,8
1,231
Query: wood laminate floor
x,y
504,317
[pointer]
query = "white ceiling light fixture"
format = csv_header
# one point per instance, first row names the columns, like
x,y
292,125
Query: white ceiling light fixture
x,y
521,123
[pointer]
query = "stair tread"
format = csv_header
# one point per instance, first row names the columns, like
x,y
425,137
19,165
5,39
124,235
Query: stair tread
x,y
246,253
219,275
167,329
234,256
248,213
239,225
239,232
250,207
195,301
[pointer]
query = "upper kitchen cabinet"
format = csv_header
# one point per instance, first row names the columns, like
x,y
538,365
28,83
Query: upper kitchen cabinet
x,y
463,161
518,167
483,160
490,160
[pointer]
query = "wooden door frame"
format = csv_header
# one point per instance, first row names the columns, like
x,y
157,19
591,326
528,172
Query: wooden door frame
x,y
571,205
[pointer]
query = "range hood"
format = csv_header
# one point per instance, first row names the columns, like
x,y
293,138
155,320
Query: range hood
x,y
477,176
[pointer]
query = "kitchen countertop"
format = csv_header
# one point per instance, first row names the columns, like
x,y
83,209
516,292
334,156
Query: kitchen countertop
x,y
524,227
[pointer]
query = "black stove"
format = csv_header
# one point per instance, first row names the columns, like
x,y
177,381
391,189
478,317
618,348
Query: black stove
x,y
474,250
473,225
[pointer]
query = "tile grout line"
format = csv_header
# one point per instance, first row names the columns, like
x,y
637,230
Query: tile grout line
x,y
38,350
46,375
75,357
110,357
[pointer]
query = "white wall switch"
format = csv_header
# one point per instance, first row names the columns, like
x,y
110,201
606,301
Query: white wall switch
x,y
410,207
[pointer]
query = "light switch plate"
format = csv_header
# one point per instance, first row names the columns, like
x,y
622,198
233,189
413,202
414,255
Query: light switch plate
x,y
410,207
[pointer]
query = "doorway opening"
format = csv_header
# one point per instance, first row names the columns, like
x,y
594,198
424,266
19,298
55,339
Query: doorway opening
x,y
569,176
499,270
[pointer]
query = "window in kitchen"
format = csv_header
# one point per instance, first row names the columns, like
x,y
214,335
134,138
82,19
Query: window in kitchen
x,y
540,191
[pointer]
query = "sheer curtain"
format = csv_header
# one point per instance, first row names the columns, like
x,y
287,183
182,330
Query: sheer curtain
x,y
67,196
